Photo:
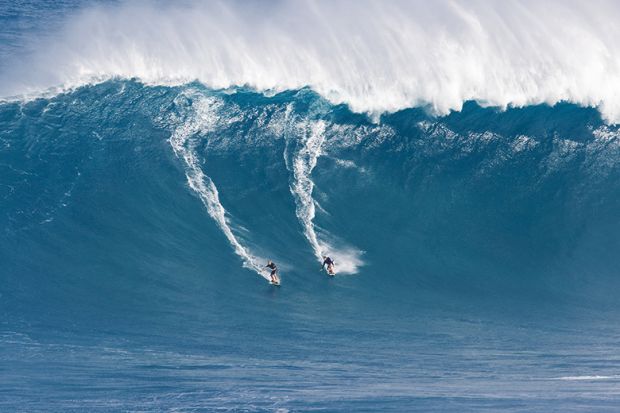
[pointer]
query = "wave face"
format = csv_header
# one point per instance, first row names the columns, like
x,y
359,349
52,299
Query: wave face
x,y
503,197
373,56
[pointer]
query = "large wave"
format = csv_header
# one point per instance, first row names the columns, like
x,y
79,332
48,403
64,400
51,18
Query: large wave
x,y
133,216
478,201
374,56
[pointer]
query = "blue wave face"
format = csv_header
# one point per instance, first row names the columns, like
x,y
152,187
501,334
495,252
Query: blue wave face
x,y
136,221
476,197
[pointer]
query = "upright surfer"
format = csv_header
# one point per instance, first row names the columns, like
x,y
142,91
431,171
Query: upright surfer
x,y
330,265
274,276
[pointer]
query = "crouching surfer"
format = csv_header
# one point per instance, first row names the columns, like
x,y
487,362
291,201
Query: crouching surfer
x,y
330,265
274,272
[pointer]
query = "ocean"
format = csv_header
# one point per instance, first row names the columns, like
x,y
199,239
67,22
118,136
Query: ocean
x,y
460,162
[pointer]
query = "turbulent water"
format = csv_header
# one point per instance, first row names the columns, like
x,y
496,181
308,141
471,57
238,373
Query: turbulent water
x,y
153,158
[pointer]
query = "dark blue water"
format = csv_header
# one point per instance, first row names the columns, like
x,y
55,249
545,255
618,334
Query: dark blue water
x,y
479,255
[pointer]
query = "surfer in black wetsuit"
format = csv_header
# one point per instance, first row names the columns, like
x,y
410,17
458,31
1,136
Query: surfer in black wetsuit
x,y
330,265
274,269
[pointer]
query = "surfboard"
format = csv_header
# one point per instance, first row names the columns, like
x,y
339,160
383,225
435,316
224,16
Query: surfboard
x,y
276,283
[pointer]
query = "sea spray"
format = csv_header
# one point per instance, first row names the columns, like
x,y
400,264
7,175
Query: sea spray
x,y
375,57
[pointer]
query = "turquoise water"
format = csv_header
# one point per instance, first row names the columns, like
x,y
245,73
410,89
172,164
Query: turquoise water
x,y
477,253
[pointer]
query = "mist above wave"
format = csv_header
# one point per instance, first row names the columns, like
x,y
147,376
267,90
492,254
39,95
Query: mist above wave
x,y
374,56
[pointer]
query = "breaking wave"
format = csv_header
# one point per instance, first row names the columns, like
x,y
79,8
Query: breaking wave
x,y
375,57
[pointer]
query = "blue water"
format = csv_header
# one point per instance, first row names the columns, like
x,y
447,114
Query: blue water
x,y
479,254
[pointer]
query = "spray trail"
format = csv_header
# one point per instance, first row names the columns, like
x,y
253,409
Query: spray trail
x,y
303,163
203,120
302,186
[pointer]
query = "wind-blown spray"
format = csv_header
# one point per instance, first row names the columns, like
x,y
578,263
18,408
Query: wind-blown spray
x,y
374,56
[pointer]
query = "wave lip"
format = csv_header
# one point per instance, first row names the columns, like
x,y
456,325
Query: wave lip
x,y
376,57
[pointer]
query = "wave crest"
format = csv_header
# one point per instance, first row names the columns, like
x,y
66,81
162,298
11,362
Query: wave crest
x,y
374,56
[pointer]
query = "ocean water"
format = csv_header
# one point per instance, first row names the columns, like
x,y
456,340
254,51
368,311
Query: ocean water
x,y
153,157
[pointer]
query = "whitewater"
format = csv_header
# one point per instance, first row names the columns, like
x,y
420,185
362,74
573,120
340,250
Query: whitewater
x,y
459,161
374,57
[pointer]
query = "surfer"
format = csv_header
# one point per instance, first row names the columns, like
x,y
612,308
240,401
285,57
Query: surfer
x,y
271,265
330,265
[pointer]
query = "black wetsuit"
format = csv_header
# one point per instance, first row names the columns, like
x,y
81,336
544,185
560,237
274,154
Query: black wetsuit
x,y
273,268
328,261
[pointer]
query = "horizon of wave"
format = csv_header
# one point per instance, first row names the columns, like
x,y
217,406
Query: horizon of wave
x,y
375,57
202,120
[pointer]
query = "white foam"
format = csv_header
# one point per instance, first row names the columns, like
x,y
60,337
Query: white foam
x,y
302,186
373,55
311,139
203,119
589,378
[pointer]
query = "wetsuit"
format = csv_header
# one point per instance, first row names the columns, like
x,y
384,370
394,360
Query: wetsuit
x,y
328,261
273,268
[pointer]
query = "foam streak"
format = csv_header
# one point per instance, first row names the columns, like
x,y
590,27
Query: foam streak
x,y
184,147
302,186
